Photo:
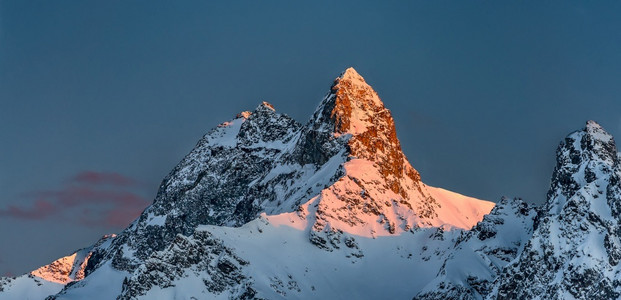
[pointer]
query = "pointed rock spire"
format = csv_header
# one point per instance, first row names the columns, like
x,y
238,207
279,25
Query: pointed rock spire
x,y
352,109
265,107
583,157
265,126
356,106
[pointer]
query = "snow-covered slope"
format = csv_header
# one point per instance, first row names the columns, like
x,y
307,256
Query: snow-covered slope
x,y
481,253
338,192
271,258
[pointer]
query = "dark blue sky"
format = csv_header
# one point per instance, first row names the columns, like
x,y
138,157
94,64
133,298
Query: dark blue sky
x,y
99,100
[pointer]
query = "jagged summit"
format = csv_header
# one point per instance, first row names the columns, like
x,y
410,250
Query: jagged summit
x,y
571,251
350,73
265,106
72,267
354,110
352,76
581,158
595,135
354,106
244,114
352,117
593,124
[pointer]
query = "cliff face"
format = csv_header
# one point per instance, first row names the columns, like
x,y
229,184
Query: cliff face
x,y
73,267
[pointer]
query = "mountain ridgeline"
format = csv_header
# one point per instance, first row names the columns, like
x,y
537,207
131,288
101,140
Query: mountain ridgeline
x,y
265,207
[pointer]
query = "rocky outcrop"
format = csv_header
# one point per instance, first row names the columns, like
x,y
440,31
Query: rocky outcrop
x,y
75,266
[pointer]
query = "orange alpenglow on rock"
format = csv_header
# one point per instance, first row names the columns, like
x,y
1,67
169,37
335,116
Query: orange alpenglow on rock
x,y
381,193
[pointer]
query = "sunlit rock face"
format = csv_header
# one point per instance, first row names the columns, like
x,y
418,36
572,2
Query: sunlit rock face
x,y
52,278
575,250
75,266
380,192
353,108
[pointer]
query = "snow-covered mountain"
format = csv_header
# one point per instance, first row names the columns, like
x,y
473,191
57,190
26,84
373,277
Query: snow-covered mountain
x,y
569,250
575,250
265,207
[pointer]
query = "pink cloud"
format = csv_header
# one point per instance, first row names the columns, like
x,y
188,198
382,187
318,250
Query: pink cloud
x,y
41,210
71,196
103,178
92,199
121,217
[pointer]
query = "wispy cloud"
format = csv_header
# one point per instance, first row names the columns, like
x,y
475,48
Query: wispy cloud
x,y
40,210
88,198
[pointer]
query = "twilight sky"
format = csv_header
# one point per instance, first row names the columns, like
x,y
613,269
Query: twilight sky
x,y
100,100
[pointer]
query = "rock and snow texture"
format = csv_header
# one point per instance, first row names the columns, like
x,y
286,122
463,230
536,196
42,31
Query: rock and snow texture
x,y
574,252
50,279
344,167
270,259
480,254
569,250
263,201
267,208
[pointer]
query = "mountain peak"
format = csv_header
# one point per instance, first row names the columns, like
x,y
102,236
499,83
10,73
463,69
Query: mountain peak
x,y
575,240
597,131
353,113
593,124
351,74
583,159
265,107
244,114
355,103
590,143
